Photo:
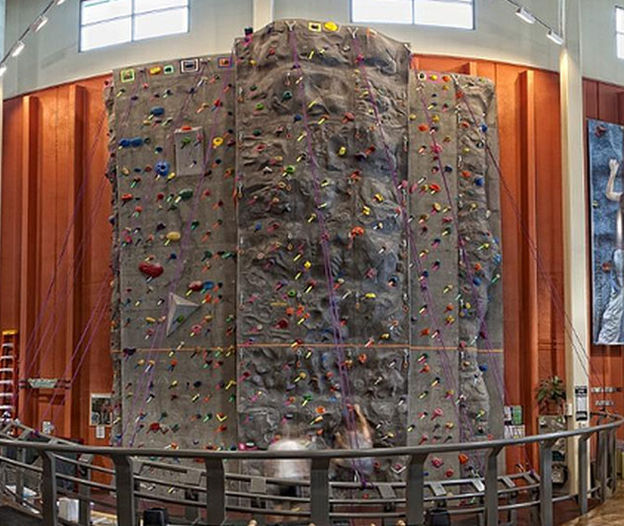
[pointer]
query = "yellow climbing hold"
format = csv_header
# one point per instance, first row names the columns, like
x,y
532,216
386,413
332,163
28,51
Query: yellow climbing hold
x,y
173,236
331,26
217,142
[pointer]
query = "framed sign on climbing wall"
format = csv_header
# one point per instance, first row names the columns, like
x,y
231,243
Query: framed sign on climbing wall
x,y
605,167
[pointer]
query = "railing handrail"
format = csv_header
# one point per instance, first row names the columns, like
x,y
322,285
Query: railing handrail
x,y
617,421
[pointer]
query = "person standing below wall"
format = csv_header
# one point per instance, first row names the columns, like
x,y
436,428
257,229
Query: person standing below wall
x,y
296,470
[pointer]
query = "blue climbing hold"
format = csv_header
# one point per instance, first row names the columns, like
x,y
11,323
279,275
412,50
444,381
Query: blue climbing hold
x,y
162,168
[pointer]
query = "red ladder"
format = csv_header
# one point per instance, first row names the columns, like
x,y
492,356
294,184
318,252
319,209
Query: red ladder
x,y
8,374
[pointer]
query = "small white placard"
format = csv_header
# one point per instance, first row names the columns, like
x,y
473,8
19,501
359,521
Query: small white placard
x,y
100,431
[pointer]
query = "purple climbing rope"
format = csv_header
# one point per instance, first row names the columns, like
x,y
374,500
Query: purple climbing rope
x,y
581,355
400,198
325,249
160,333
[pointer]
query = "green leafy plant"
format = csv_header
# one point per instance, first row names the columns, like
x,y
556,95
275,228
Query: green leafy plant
x,y
551,394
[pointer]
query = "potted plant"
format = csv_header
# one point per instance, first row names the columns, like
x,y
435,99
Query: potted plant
x,y
551,396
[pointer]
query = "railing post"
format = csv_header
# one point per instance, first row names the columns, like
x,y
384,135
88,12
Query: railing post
x,y
319,492
48,489
492,495
215,491
613,469
84,507
602,453
582,475
125,490
546,484
19,476
415,490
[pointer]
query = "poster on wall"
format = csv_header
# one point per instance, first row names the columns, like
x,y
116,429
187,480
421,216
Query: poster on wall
x,y
101,410
605,150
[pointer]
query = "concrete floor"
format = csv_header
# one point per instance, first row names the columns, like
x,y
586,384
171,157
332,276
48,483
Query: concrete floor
x,y
610,513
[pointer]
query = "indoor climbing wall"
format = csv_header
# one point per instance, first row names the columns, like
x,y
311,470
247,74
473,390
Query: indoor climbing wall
x,y
323,290
356,171
173,140
456,279
364,245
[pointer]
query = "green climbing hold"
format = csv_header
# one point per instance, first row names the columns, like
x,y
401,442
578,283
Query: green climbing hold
x,y
185,193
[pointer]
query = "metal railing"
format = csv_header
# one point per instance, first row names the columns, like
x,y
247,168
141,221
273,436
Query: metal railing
x,y
60,468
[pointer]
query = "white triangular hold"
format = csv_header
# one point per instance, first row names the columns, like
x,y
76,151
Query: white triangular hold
x,y
178,311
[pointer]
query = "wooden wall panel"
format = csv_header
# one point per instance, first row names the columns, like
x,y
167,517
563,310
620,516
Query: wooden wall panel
x,y
68,142
55,257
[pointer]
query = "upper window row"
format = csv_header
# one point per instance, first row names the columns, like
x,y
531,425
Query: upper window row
x,y
107,22
448,13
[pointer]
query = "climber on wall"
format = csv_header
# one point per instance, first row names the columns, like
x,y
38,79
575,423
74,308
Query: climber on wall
x,y
359,438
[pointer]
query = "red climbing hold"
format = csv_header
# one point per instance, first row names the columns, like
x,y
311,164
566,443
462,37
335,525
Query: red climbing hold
x,y
152,270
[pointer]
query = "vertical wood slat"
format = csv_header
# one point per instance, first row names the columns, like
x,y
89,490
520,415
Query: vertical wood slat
x,y
77,105
29,244
528,314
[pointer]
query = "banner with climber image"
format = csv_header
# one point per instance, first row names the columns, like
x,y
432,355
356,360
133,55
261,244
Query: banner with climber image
x,y
605,150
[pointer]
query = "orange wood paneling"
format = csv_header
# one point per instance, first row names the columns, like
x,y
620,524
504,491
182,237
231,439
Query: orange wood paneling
x,y
56,138
53,257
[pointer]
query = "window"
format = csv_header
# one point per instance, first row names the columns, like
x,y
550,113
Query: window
x,y
107,22
447,13
620,42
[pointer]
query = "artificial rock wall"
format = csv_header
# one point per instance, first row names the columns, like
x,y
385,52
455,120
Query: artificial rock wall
x,y
336,205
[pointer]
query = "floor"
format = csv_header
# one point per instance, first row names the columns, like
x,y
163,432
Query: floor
x,y
610,513
11,517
